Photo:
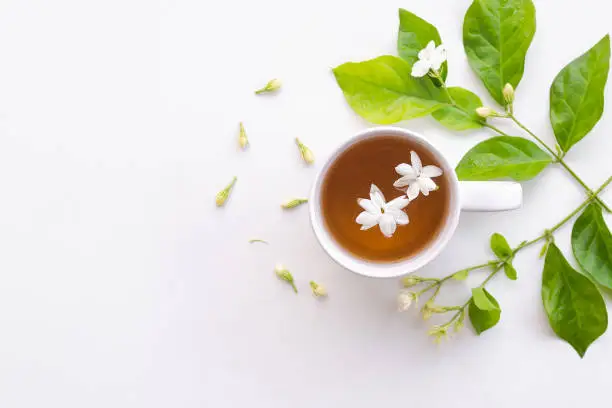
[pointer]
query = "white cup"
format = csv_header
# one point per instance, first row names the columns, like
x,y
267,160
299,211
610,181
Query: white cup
x,y
465,195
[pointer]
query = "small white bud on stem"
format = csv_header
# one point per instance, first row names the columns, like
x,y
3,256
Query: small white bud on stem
x,y
508,93
485,112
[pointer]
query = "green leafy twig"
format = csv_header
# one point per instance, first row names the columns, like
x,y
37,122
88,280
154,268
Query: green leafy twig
x,y
559,159
510,115
497,265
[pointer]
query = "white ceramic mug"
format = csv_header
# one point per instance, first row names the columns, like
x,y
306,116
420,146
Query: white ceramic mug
x,y
467,196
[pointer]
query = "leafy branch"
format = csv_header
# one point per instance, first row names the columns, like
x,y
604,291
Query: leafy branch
x,y
558,155
505,256
496,37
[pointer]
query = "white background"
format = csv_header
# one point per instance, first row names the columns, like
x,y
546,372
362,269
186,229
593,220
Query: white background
x,y
121,284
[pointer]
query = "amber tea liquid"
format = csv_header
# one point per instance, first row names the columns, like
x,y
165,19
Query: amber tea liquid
x,y
373,161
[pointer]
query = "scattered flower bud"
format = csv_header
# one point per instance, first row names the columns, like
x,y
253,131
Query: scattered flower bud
x,y
271,86
243,140
485,112
224,194
254,240
318,290
294,203
305,152
404,300
508,93
285,275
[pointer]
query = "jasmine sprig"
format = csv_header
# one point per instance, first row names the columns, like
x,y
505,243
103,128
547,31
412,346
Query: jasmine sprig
x,y
295,202
305,152
574,111
494,265
243,140
223,195
508,94
283,274
272,86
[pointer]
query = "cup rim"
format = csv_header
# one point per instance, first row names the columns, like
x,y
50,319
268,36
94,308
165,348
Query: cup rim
x,y
383,269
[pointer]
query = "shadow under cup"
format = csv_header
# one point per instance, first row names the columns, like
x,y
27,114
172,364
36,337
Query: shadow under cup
x,y
370,158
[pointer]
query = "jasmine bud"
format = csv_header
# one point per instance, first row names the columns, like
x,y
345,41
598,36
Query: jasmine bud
x,y
272,86
293,203
508,93
485,112
305,152
318,290
222,195
283,274
243,140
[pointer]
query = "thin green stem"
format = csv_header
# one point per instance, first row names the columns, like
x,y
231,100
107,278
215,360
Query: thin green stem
x,y
485,124
459,312
491,275
559,159
437,283
473,268
448,95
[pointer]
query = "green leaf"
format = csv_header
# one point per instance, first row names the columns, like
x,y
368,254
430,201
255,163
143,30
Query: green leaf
x,y
414,35
592,245
503,157
500,246
575,308
383,91
481,300
577,95
510,271
484,319
464,116
461,275
496,36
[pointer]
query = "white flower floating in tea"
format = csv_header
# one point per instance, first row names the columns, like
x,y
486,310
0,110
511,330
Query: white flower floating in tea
x,y
416,177
430,58
378,212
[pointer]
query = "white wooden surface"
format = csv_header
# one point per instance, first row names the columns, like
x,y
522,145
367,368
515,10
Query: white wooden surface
x,y
121,285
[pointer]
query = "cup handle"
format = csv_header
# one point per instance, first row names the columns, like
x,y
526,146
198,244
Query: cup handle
x,y
490,195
